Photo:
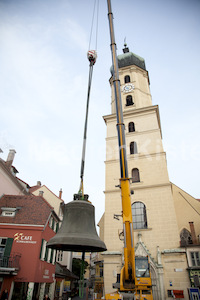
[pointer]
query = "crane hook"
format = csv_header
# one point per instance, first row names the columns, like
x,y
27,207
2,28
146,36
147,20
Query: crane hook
x,y
92,56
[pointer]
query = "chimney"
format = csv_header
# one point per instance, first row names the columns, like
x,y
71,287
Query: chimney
x,y
60,194
10,157
39,183
193,234
41,193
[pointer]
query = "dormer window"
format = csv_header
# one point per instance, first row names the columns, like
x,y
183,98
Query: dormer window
x,y
127,79
8,211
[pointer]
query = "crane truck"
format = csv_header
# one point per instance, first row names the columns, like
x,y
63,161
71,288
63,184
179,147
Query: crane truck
x,y
135,279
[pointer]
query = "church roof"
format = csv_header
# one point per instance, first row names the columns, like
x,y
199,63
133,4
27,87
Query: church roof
x,y
130,58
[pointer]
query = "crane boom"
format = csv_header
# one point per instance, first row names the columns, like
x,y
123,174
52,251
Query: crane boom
x,y
127,273
129,280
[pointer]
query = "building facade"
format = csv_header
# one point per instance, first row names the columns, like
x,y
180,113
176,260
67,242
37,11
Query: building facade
x,y
10,184
156,205
27,266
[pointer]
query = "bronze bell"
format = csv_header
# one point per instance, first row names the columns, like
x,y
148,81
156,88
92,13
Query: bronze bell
x,y
77,232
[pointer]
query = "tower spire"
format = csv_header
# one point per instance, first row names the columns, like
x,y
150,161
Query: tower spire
x,y
125,49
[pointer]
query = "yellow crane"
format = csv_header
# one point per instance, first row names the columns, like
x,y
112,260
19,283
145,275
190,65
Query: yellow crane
x,y
135,280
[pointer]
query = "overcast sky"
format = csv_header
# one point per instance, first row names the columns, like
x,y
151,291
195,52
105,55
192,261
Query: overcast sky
x,y
43,86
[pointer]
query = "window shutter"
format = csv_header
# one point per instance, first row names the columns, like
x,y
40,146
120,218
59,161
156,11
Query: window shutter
x,y
57,227
46,254
53,221
41,248
54,257
8,247
51,257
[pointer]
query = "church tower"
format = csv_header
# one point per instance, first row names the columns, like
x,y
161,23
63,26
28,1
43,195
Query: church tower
x,y
154,217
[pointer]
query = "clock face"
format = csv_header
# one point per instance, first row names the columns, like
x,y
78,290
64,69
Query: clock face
x,y
128,87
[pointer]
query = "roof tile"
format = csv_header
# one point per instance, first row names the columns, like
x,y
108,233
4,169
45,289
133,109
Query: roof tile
x,y
31,209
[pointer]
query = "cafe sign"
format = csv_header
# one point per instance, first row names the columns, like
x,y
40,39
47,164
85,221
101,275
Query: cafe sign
x,y
19,237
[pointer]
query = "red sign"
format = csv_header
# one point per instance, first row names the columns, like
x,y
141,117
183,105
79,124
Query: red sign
x,y
178,294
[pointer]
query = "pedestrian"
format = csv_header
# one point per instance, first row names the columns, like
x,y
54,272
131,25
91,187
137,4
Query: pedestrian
x,y
46,297
4,295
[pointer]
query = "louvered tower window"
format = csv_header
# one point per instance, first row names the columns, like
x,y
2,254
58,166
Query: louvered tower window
x,y
135,175
133,148
131,127
129,100
127,79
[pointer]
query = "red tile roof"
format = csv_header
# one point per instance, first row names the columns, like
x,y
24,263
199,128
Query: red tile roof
x,y
33,210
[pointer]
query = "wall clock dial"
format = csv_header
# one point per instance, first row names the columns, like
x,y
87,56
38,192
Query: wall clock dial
x,y
128,88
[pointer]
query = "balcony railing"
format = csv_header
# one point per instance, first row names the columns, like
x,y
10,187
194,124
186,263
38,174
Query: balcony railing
x,y
10,262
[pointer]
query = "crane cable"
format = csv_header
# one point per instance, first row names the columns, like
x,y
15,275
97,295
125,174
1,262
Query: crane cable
x,y
92,56
96,3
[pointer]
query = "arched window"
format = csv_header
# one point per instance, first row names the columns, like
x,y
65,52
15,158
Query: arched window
x,y
139,215
133,148
127,79
186,238
129,100
135,175
131,127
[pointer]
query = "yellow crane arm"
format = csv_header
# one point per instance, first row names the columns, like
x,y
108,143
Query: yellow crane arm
x,y
128,271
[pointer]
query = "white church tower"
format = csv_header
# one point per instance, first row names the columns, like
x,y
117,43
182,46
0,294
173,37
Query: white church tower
x,y
156,231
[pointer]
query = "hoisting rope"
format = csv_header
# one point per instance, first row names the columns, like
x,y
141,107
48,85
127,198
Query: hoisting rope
x,y
96,3
81,190
92,56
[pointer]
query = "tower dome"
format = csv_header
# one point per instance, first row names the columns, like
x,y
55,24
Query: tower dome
x,y
130,58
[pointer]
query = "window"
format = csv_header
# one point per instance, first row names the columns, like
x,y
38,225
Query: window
x,y
53,224
139,215
195,257
142,267
135,175
60,255
8,211
131,127
133,148
129,100
5,247
127,79
186,238
2,246
101,270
